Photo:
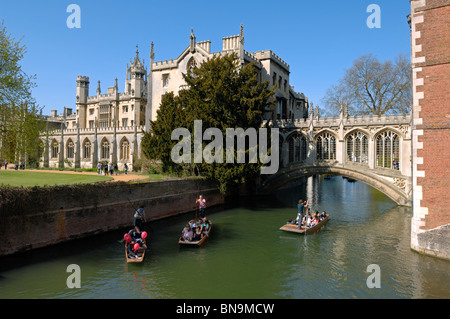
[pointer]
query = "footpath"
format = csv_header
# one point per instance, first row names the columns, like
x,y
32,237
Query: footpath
x,y
119,177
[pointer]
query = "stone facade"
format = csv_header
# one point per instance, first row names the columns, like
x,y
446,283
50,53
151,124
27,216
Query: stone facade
x,y
430,57
108,127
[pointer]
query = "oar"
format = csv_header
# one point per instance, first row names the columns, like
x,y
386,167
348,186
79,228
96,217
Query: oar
x,y
135,209
131,204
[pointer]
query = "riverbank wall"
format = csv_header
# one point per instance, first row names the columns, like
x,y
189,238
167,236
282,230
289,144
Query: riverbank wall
x,y
42,216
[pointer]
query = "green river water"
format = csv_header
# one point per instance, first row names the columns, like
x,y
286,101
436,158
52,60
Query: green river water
x,y
247,256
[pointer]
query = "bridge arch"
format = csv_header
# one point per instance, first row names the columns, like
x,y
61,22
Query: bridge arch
x,y
294,172
335,146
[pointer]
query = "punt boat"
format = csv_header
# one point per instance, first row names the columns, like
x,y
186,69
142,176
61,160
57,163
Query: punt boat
x,y
305,230
135,258
198,243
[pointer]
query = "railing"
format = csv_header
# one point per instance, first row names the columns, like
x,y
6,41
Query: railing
x,y
101,130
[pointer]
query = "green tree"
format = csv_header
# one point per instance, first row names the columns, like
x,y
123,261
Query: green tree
x,y
19,114
157,143
222,94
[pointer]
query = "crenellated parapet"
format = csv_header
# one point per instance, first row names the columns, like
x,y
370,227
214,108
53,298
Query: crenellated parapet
x,y
172,63
82,78
402,122
269,54
250,57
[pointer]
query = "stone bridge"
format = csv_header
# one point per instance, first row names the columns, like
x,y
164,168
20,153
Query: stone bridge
x,y
375,150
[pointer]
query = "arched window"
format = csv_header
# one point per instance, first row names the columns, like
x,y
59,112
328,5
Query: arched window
x,y
87,149
388,150
297,148
124,149
358,148
70,149
55,149
105,149
326,147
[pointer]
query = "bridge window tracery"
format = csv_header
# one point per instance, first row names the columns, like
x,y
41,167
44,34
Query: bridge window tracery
x,y
326,147
388,150
297,148
358,148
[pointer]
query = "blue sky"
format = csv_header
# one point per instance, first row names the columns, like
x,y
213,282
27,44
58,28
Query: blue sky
x,y
318,39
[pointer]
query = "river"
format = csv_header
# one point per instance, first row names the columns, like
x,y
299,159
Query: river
x,y
247,256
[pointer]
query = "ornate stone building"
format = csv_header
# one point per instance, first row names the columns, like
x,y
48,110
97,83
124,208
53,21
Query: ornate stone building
x,y
166,76
108,127
105,127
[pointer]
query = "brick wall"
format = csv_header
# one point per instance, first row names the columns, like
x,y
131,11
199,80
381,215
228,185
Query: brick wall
x,y
435,109
430,44
50,216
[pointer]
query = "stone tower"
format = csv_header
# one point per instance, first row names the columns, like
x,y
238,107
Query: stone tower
x,y
81,99
136,86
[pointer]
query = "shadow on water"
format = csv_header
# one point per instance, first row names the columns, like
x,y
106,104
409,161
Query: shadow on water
x,y
109,241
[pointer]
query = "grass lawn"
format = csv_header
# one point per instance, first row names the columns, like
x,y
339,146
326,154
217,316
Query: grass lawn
x,y
30,179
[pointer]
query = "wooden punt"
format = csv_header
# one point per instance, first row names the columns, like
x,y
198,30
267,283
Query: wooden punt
x,y
294,228
196,243
139,258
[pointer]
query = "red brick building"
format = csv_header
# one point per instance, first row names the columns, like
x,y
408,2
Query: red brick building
x,y
430,57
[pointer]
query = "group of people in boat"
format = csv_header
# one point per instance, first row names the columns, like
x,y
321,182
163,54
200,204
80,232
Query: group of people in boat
x,y
135,238
135,241
305,217
195,230
310,219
